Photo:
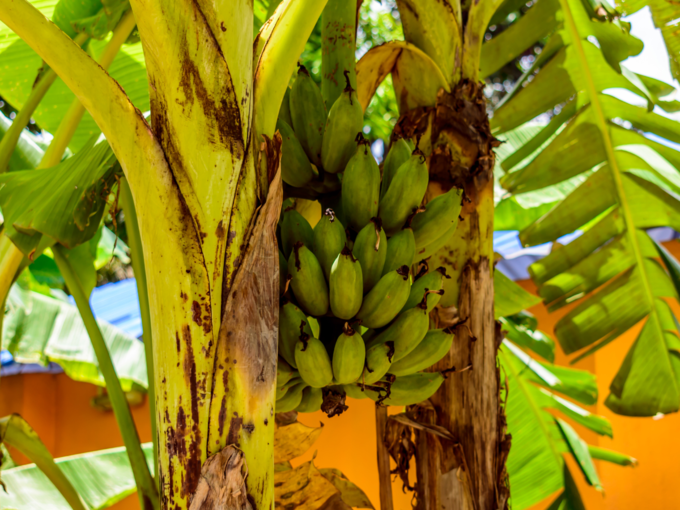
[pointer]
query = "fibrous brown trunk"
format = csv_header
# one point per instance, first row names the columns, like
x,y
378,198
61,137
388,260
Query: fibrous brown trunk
x,y
386,502
469,472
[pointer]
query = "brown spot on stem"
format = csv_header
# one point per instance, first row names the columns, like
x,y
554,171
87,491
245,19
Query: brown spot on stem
x,y
234,430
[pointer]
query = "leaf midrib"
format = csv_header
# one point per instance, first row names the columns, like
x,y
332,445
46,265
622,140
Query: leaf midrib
x,y
613,165
534,407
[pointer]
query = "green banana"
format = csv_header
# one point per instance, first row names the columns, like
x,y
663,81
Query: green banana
x,y
291,399
349,356
361,186
400,151
429,285
308,282
440,215
427,251
406,332
312,398
354,391
308,112
345,120
386,299
401,249
346,285
434,346
313,362
284,372
292,323
412,389
405,193
329,239
283,389
378,361
370,249
295,228
284,112
283,273
296,169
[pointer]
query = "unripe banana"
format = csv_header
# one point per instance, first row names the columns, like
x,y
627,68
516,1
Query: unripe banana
x,y
346,285
329,239
308,282
440,215
406,332
283,273
405,193
370,248
295,228
349,356
401,249
284,112
386,299
431,349
292,323
291,399
354,391
429,285
284,388
284,372
296,169
412,389
345,120
399,153
427,251
312,398
378,361
313,362
361,187
308,113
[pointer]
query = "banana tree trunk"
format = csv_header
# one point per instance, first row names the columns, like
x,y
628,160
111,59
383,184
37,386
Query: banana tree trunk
x,y
205,183
470,472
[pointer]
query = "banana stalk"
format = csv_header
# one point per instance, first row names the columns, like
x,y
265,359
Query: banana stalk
x,y
146,488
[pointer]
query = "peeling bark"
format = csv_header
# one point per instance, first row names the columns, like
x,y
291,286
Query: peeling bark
x,y
467,472
222,485
386,502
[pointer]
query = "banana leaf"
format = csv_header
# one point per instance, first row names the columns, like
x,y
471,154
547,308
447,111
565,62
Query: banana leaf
x,y
666,16
16,432
40,329
21,66
102,478
617,182
540,438
65,202
27,153
510,298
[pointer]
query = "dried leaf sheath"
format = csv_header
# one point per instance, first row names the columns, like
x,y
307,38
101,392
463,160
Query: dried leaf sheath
x,y
242,403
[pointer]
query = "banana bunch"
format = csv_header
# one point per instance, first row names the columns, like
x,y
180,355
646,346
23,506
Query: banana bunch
x,y
355,297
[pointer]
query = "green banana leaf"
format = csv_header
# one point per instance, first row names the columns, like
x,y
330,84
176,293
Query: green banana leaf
x,y
510,298
27,153
527,336
16,432
536,465
65,202
666,16
39,329
616,183
21,66
102,478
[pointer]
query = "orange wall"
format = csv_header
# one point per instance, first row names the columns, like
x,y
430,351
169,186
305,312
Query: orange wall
x,y
59,410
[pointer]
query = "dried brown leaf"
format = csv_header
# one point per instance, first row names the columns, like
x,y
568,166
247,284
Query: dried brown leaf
x,y
352,495
303,488
293,440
